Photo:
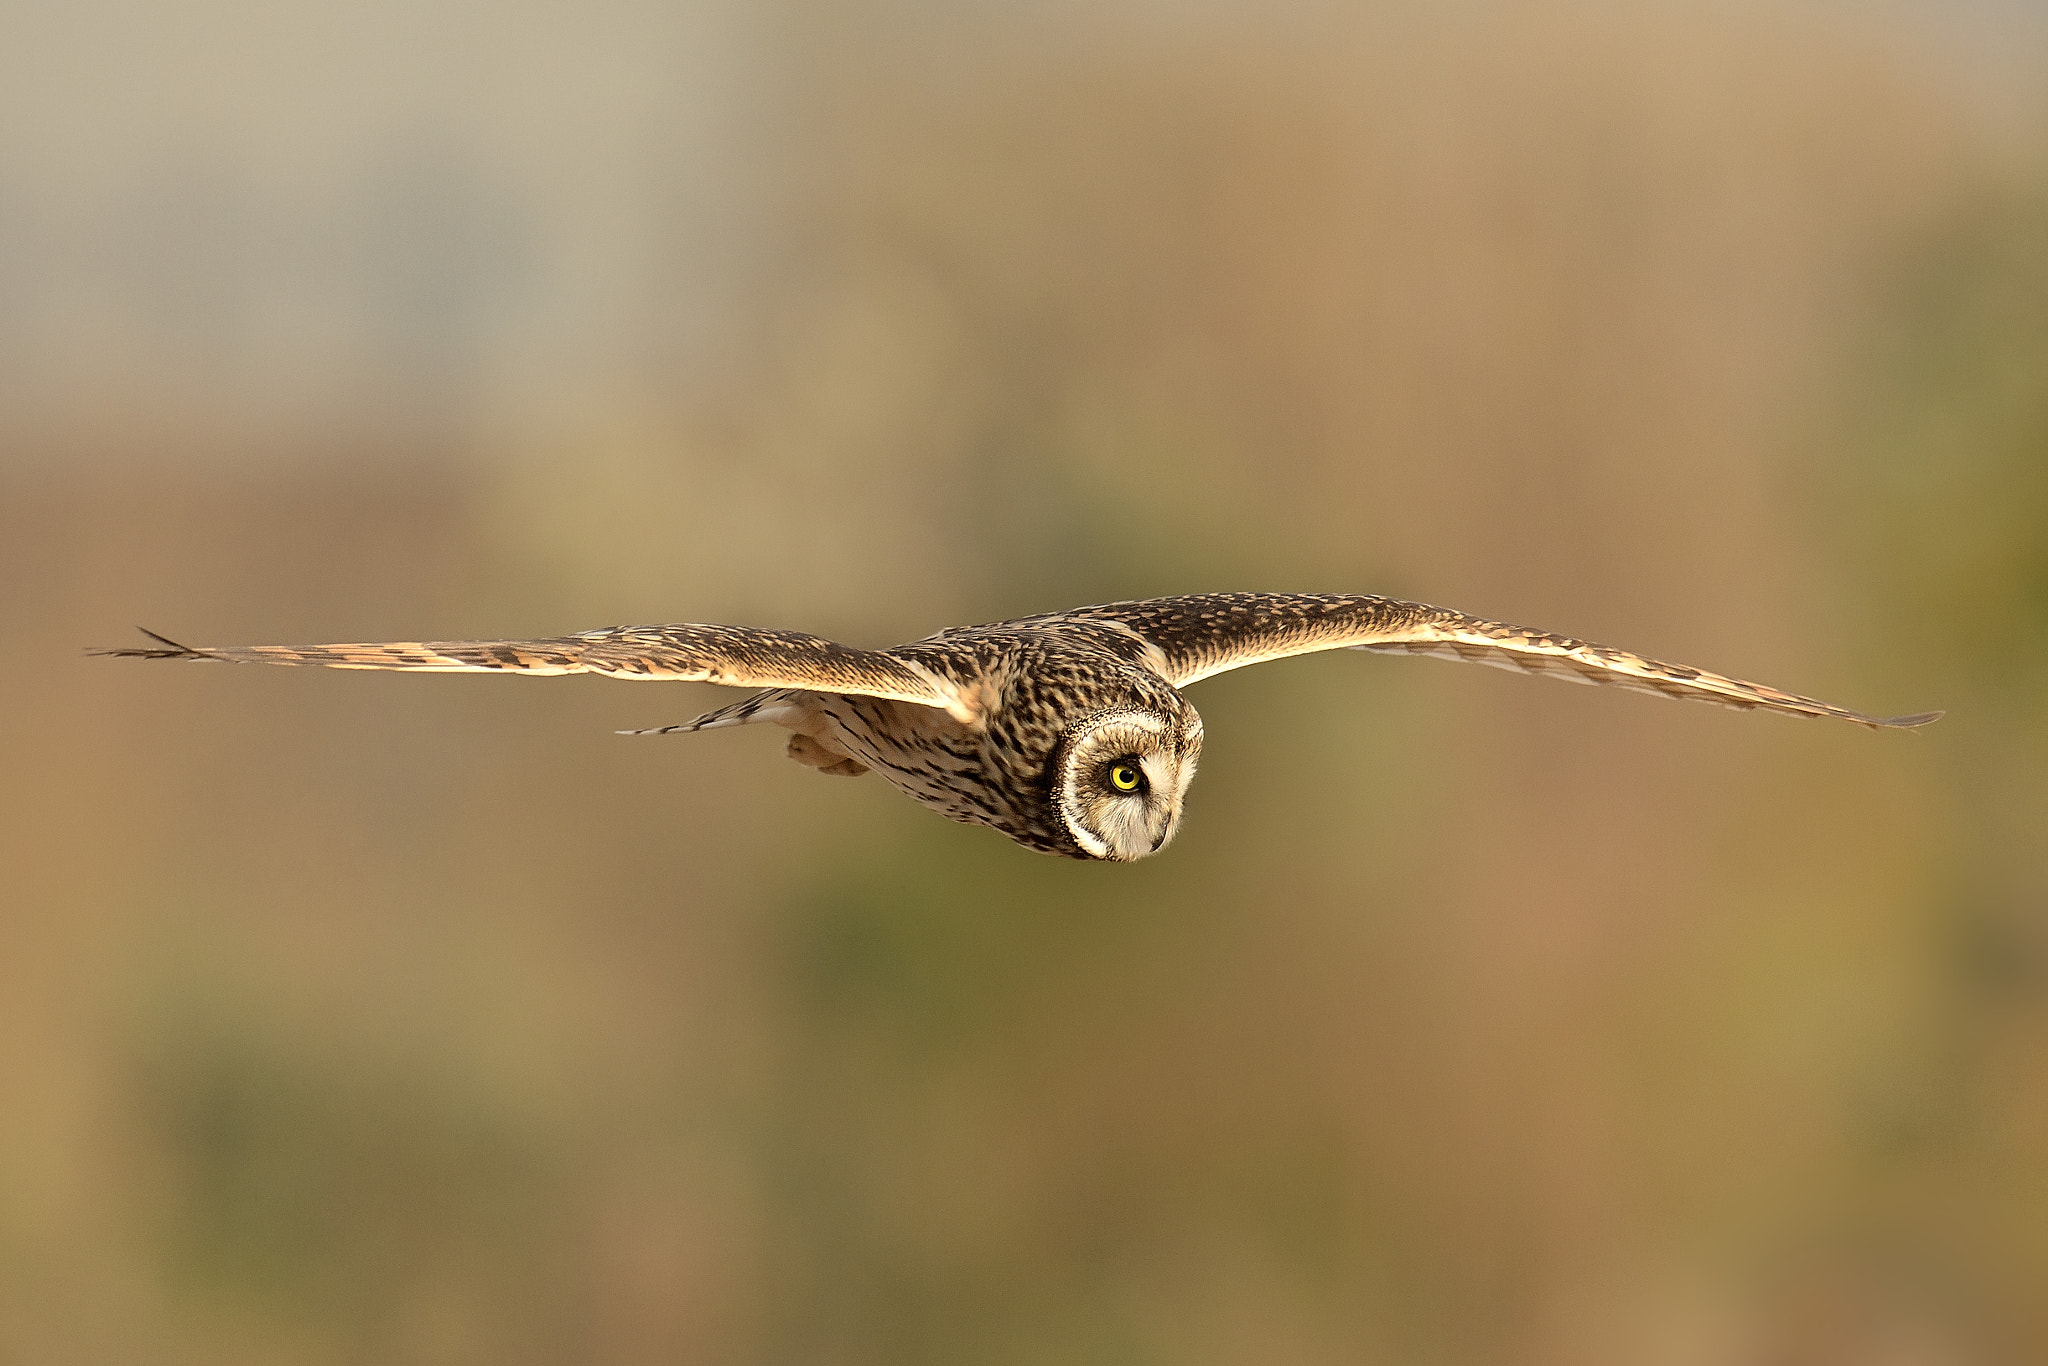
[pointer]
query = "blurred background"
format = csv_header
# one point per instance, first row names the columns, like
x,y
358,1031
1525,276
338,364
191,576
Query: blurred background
x,y
358,1018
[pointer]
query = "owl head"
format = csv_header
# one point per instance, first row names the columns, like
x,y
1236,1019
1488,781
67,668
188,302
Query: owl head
x,y
1120,779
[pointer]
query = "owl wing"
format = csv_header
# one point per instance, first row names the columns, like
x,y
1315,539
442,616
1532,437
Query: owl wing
x,y
1210,633
739,656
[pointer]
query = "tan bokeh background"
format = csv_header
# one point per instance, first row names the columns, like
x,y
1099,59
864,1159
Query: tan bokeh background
x,y
358,1018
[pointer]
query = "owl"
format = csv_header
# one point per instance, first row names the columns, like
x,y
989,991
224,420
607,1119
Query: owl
x,y
1066,732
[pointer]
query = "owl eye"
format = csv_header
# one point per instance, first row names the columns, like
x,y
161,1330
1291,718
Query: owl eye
x,y
1126,776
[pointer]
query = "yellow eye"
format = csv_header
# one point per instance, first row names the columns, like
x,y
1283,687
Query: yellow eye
x,y
1126,776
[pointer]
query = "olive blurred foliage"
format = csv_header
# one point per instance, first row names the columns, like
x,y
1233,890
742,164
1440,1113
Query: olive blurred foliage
x,y
356,1018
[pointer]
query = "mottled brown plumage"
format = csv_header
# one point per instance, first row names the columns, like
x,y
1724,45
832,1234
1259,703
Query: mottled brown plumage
x,y
1066,732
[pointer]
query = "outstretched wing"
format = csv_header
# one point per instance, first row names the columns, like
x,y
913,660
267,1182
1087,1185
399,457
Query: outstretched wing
x,y
740,656
1210,633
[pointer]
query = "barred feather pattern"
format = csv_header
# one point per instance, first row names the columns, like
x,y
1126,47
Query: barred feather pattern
x,y
1212,633
689,651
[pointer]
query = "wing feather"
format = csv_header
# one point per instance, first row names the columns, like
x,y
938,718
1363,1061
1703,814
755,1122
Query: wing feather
x,y
737,656
1211,633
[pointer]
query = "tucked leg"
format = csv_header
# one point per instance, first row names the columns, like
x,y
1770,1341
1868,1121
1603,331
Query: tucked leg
x,y
810,753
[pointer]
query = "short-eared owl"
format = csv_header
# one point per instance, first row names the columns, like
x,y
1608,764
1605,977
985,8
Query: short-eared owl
x,y
1066,732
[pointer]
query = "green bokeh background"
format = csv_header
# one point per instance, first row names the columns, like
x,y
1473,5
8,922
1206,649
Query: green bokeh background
x,y
358,1018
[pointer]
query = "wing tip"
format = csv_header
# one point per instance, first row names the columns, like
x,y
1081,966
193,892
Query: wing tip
x,y
1917,719
165,648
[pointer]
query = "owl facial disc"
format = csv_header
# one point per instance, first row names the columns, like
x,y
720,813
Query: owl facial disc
x,y
1121,782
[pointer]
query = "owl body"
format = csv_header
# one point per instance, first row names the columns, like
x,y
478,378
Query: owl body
x,y
1066,732
1044,686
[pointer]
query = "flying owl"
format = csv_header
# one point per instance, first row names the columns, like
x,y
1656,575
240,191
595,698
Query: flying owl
x,y
1066,732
